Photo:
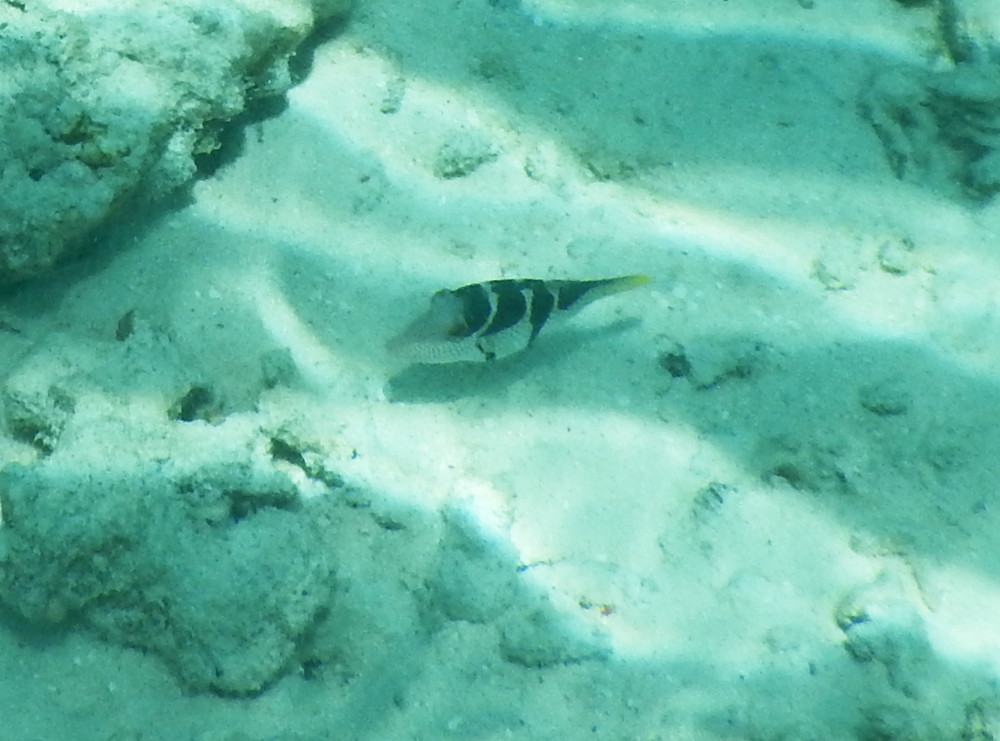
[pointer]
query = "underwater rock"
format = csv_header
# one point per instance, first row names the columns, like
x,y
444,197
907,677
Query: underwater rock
x,y
883,625
463,155
36,416
982,719
110,103
895,256
888,398
220,571
542,638
817,465
940,129
711,363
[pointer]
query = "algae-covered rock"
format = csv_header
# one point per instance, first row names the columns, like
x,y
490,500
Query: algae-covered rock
x,y
221,572
109,102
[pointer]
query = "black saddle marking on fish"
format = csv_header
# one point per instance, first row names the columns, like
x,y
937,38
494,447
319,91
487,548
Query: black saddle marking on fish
x,y
510,305
542,302
476,307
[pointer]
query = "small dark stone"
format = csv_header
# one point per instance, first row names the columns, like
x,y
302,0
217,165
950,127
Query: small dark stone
x,y
676,364
885,399
197,403
125,325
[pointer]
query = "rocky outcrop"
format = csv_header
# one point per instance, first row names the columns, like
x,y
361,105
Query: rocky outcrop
x,y
109,102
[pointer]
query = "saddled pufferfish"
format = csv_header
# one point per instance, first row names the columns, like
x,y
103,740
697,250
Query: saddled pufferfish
x,y
497,318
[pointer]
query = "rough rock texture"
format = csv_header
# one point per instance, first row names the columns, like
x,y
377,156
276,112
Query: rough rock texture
x,y
104,102
941,128
220,572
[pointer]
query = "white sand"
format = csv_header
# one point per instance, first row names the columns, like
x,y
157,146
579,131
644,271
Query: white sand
x,y
791,536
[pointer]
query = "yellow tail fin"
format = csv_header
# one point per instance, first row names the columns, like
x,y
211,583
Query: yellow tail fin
x,y
626,282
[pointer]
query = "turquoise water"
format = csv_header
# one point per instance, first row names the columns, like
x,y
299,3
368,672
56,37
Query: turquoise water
x,y
749,499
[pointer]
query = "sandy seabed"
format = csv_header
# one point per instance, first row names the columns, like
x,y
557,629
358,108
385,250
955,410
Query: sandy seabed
x,y
750,500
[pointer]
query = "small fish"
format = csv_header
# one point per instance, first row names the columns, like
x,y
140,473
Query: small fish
x,y
497,318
